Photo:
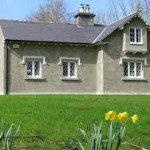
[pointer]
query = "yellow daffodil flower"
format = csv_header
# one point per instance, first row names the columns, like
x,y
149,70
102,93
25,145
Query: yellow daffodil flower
x,y
111,115
122,117
135,118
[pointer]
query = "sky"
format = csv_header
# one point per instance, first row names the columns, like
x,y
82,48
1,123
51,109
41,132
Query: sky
x,y
20,9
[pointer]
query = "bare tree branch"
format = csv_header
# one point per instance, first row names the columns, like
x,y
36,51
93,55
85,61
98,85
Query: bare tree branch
x,y
54,11
101,18
121,8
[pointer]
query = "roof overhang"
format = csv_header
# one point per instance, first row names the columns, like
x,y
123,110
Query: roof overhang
x,y
9,41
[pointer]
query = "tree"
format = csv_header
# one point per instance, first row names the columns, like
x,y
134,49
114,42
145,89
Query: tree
x,y
53,11
101,18
121,8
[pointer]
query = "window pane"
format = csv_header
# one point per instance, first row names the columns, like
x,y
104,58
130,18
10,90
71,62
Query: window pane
x,y
138,69
132,69
72,69
29,68
65,69
132,35
138,35
37,68
125,64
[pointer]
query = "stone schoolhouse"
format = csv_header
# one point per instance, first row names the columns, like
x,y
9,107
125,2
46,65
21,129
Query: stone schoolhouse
x,y
80,58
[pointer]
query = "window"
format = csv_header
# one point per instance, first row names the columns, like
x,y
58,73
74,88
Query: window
x,y
69,69
136,35
33,68
133,69
69,66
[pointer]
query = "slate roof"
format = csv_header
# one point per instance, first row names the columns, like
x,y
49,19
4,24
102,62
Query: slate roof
x,y
49,32
64,33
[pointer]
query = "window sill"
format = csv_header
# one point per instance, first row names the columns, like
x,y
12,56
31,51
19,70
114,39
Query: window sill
x,y
34,78
136,44
135,51
69,79
133,79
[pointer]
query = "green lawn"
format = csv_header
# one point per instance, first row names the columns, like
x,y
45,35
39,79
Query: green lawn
x,y
58,117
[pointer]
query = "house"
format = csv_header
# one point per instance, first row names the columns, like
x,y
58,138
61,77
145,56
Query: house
x,y
81,58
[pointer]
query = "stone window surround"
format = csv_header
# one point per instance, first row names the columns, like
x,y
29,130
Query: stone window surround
x,y
23,62
133,59
42,61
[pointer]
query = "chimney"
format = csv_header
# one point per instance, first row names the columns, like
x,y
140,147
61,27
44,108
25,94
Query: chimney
x,y
85,17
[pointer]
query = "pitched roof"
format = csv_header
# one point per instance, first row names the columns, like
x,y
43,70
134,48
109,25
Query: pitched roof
x,y
65,33
112,27
48,32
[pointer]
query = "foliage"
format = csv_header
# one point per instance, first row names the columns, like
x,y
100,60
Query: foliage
x,y
6,140
95,141
116,129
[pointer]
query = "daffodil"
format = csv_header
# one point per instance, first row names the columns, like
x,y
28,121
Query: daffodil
x,y
135,118
122,117
111,115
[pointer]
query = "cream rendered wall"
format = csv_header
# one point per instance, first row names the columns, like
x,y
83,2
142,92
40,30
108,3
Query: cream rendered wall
x,y
113,71
52,83
135,22
2,63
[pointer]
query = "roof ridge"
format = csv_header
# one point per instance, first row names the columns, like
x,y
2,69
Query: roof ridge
x,y
20,21
45,22
35,22
124,17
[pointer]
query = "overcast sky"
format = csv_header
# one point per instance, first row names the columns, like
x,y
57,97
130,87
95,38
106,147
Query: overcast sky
x,y
19,9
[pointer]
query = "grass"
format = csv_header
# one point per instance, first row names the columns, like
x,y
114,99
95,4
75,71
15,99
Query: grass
x,y
58,117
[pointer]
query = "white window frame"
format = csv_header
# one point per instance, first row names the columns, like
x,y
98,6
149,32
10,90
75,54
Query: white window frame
x,y
75,71
70,59
135,35
33,68
135,71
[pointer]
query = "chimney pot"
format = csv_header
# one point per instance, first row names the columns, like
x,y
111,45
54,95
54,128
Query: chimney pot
x,y
87,8
81,8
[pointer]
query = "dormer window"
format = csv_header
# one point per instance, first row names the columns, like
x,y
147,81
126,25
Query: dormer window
x,y
136,35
